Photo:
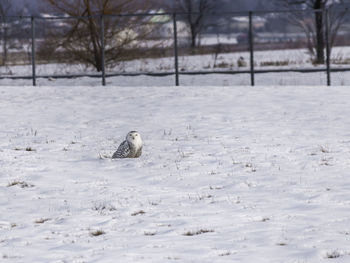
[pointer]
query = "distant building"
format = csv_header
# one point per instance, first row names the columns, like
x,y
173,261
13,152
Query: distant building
x,y
241,23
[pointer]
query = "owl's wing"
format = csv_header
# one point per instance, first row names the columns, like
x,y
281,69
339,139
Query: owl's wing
x,y
122,151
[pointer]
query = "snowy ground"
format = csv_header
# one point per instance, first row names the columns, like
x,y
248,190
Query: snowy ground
x,y
271,79
264,60
228,174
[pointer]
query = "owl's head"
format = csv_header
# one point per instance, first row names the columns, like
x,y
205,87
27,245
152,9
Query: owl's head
x,y
134,137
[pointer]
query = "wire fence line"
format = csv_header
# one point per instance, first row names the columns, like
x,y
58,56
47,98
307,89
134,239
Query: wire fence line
x,y
250,43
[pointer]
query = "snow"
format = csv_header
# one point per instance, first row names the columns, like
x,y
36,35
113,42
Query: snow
x,y
264,60
272,79
228,174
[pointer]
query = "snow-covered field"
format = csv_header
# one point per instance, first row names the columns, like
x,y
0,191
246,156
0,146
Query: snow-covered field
x,y
264,60
271,79
228,174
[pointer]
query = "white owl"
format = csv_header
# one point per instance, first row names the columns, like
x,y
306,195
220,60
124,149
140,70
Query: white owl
x,y
131,147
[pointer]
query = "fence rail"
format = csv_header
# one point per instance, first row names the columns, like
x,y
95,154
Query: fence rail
x,y
177,72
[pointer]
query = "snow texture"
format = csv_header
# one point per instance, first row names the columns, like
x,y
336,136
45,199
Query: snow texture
x,y
227,174
263,60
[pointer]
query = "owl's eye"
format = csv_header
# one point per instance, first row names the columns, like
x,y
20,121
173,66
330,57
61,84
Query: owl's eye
x,y
136,134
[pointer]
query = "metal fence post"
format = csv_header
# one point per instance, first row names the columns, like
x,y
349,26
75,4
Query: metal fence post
x,y
251,48
33,51
176,51
328,50
102,33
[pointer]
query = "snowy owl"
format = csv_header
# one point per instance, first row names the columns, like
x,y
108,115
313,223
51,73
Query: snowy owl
x,y
131,147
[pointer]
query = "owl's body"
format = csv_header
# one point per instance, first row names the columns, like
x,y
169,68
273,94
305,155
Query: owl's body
x,y
131,147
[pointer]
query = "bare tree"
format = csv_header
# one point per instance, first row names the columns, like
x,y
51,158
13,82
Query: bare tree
x,y
83,38
5,6
195,11
315,31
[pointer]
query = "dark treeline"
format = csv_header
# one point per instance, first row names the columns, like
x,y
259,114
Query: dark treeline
x,y
35,7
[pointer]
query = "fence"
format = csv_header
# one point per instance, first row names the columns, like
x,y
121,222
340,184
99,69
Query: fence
x,y
252,33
